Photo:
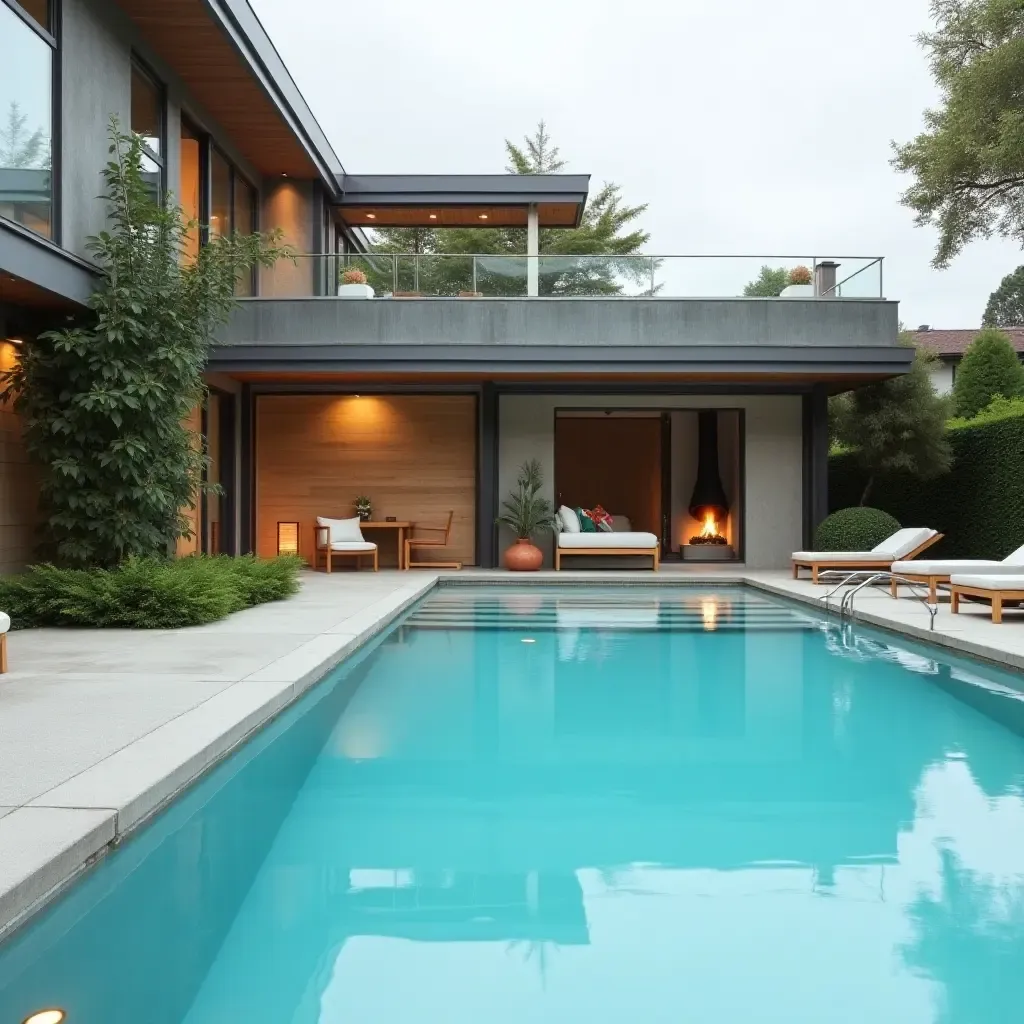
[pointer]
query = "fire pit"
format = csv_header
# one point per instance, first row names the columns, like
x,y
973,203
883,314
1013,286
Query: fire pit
x,y
708,503
710,544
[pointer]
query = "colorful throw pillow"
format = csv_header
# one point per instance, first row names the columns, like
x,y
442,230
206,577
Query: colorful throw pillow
x,y
586,523
602,520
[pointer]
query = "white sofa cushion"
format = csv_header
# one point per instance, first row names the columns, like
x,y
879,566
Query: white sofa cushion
x,y
641,541
5,622
342,530
569,520
986,582
353,545
902,542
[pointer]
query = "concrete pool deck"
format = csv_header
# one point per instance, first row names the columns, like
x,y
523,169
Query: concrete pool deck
x,y
100,729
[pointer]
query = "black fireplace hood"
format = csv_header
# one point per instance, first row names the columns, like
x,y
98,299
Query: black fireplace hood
x,y
708,492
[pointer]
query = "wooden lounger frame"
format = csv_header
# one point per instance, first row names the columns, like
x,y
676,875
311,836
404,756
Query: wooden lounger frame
x,y
993,594
654,553
859,564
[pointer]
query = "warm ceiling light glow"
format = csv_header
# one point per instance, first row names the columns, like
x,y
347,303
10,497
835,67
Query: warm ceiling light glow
x,y
433,216
482,216
371,216
284,174
45,1017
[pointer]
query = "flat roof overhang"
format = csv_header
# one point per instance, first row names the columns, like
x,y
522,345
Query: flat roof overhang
x,y
222,53
461,200
35,274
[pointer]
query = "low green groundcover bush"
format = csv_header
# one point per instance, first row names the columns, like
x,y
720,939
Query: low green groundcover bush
x,y
854,529
146,593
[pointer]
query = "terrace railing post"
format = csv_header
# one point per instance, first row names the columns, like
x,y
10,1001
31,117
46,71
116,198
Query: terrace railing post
x,y
394,273
474,276
652,277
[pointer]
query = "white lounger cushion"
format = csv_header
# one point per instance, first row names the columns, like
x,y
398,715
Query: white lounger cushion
x,y
989,582
1012,563
642,541
353,545
900,544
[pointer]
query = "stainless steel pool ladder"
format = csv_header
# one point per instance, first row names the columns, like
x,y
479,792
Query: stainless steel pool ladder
x,y
870,578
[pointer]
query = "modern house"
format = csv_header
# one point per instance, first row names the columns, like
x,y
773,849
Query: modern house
x,y
950,347
631,380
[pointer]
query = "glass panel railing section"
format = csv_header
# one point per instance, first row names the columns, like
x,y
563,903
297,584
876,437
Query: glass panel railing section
x,y
455,275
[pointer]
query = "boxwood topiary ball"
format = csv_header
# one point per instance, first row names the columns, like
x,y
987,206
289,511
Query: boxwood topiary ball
x,y
854,529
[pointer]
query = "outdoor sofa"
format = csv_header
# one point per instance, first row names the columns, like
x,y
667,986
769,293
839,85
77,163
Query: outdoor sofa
x,y
622,540
902,545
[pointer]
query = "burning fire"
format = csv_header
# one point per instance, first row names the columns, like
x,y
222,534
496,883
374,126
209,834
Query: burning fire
x,y
710,526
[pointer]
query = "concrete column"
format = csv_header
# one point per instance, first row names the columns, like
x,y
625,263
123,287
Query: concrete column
x,y
532,250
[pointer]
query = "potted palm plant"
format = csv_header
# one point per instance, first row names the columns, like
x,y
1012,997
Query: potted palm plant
x,y
526,513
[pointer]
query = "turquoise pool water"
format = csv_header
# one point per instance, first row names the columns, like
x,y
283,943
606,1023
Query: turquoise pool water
x,y
578,805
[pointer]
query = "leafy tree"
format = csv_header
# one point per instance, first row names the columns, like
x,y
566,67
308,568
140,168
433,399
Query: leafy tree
x,y
968,163
897,424
104,404
769,283
20,148
607,230
990,367
1006,304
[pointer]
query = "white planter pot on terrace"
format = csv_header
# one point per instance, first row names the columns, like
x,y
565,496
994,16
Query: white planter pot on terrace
x,y
797,291
355,291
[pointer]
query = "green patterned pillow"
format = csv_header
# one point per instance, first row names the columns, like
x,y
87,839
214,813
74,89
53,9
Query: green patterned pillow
x,y
586,523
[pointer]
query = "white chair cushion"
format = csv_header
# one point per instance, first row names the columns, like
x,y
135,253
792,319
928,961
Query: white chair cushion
x,y
569,520
838,556
951,565
342,529
5,622
987,582
642,541
902,542
353,545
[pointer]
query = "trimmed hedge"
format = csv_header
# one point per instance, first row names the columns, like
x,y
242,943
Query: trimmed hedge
x,y
978,505
854,529
146,593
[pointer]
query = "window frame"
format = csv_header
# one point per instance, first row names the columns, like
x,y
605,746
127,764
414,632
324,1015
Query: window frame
x,y
140,68
52,38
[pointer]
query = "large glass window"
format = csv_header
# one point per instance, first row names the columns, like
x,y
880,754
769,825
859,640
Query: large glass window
x,y
232,209
26,117
148,125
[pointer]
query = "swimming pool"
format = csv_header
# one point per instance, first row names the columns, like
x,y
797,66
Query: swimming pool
x,y
578,804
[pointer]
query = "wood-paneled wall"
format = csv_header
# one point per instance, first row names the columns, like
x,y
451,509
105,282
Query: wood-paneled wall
x,y
19,486
413,455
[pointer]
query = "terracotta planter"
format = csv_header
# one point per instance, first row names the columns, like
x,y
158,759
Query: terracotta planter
x,y
524,556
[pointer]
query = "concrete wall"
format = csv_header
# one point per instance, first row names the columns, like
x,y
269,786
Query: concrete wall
x,y
773,511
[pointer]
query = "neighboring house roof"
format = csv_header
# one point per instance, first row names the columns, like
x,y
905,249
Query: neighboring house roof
x,y
953,344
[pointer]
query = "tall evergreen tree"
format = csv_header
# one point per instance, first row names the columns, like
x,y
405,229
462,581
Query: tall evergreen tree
x,y
990,367
1006,304
897,424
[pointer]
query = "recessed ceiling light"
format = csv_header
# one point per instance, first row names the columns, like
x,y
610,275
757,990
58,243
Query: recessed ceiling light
x,y
45,1017
482,216
433,216
284,174
371,216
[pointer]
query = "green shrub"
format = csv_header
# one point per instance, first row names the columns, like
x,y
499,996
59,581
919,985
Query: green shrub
x,y
146,593
854,529
990,367
978,505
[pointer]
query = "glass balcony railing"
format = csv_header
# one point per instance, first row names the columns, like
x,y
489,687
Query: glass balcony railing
x,y
403,275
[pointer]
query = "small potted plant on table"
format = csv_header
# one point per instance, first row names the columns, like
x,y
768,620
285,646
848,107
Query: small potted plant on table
x,y
364,508
526,514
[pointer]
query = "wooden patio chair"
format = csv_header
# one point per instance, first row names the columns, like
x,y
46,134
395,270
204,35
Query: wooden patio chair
x,y
436,542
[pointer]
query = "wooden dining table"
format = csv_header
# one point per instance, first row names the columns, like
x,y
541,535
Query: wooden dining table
x,y
400,529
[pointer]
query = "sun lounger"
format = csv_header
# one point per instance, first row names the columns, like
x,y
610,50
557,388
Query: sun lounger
x,y
902,545
995,589
938,571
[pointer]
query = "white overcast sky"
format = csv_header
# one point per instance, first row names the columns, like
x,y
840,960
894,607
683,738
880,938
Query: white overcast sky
x,y
747,126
